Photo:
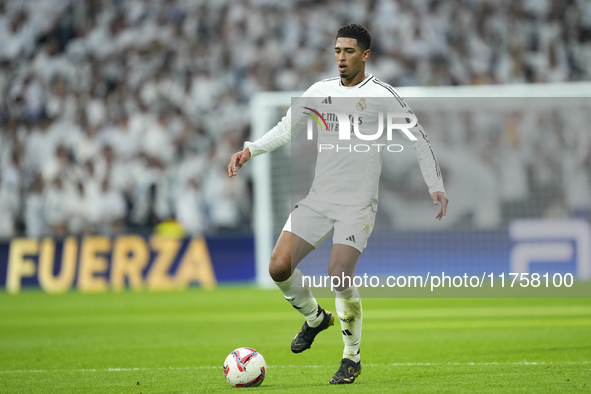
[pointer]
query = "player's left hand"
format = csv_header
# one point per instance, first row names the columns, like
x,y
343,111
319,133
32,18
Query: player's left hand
x,y
439,196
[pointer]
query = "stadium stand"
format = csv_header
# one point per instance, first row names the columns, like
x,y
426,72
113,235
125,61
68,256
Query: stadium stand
x,y
119,115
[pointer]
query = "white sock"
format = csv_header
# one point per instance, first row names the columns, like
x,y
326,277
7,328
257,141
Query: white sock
x,y
348,305
301,298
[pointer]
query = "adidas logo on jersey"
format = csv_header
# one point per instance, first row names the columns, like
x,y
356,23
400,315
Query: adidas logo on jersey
x,y
327,100
351,238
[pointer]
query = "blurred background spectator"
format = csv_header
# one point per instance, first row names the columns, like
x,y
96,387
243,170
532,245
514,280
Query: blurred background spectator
x,y
117,115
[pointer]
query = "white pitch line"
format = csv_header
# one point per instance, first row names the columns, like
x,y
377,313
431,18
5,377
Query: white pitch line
x,y
15,371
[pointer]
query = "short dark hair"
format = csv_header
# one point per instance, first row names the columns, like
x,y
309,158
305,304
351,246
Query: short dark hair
x,y
358,32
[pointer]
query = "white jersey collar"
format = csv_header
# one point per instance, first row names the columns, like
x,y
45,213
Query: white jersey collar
x,y
358,85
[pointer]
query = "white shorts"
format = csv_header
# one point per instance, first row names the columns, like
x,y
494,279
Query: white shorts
x,y
313,221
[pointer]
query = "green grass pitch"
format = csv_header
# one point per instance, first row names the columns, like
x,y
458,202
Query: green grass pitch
x,y
176,342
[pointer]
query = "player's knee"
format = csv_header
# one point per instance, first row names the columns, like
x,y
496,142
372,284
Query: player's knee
x,y
345,276
279,268
339,271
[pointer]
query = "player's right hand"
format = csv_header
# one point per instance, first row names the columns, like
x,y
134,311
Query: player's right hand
x,y
237,161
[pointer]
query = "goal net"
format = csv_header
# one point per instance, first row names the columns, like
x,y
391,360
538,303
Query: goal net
x,y
509,155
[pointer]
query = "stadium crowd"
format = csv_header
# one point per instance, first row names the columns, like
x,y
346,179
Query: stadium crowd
x,y
119,114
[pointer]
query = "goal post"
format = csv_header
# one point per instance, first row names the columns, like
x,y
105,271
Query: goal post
x,y
264,114
271,172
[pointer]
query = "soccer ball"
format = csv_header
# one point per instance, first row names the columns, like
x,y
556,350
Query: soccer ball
x,y
245,367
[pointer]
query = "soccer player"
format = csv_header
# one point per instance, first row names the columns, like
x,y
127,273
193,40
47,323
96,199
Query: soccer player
x,y
343,196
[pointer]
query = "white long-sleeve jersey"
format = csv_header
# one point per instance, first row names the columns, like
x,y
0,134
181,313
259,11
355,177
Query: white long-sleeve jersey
x,y
349,172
